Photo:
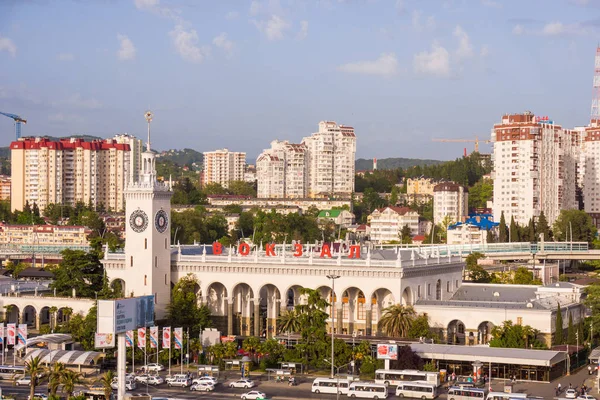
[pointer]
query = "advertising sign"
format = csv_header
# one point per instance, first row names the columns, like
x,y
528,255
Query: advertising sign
x,y
104,340
22,334
387,351
178,337
145,311
129,339
11,331
166,338
142,338
154,337
119,316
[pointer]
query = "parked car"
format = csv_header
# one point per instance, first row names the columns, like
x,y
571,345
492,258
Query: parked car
x,y
207,379
171,378
23,381
586,397
155,380
155,367
242,383
180,382
254,394
141,378
202,387
129,385
38,396
570,393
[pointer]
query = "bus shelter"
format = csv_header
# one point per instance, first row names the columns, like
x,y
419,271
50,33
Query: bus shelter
x,y
208,370
275,373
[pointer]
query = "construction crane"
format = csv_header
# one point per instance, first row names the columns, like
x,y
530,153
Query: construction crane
x,y
18,120
476,141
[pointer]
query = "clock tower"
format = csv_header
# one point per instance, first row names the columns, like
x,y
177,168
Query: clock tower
x,y
147,269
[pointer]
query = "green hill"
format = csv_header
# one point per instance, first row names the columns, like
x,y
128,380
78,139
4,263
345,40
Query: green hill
x,y
393,163
182,157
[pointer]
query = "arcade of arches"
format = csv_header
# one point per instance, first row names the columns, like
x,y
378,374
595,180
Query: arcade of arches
x,y
34,318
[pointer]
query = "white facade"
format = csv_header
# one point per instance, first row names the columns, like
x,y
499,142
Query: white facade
x,y
135,155
281,171
223,166
450,200
387,223
330,157
534,168
591,168
466,234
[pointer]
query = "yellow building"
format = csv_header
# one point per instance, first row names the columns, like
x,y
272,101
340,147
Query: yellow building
x,y
4,187
420,186
69,171
43,235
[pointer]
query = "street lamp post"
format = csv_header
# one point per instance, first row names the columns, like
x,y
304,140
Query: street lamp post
x,y
333,278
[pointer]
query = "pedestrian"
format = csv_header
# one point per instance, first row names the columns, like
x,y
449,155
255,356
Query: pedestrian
x,y
559,387
570,385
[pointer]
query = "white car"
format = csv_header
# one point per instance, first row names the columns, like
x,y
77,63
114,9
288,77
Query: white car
x,y
141,378
155,367
38,396
254,394
202,387
129,385
586,397
171,378
155,380
206,379
181,382
23,381
570,393
242,383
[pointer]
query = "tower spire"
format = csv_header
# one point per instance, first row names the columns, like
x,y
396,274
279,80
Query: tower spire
x,y
148,115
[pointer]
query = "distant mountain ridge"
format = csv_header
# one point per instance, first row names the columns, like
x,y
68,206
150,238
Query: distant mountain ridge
x,y
393,163
182,157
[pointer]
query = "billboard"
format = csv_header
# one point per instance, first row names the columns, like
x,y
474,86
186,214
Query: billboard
x,y
166,337
104,340
387,351
119,316
154,337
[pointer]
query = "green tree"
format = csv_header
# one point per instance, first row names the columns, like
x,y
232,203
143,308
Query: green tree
x,y
241,188
106,380
405,235
476,272
523,276
183,310
35,369
514,230
575,223
251,345
396,320
213,189
289,321
543,227
15,269
515,336
420,328
430,366
571,339
80,271
82,328
558,334
394,195
54,375
480,193
312,318
502,230
69,380
531,233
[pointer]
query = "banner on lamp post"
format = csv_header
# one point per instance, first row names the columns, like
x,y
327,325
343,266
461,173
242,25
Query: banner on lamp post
x,y
22,334
129,339
178,337
154,337
166,337
11,331
141,338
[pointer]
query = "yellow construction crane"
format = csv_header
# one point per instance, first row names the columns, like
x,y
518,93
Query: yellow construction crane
x,y
476,141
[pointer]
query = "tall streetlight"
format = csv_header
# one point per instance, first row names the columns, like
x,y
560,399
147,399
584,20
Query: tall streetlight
x,y
333,278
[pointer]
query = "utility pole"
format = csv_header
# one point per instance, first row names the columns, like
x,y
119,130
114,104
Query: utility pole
x,y
333,278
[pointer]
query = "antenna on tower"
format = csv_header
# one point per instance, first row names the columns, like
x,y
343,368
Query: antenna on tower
x,y
595,114
148,115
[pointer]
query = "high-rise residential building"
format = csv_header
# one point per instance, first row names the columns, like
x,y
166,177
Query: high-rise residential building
x,y
135,154
450,200
590,156
281,171
330,158
534,168
223,166
69,171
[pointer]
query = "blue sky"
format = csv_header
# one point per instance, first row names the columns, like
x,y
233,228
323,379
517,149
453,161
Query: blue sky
x,y
239,74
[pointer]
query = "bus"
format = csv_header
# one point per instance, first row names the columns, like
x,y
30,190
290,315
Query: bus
x,y
9,372
393,377
505,396
328,385
465,393
417,389
367,390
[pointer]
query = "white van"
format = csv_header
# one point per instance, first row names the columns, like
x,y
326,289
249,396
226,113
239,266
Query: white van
x,y
329,385
505,396
416,389
367,390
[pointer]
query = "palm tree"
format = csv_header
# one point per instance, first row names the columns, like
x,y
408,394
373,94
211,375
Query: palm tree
x,y
69,380
289,322
35,369
53,311
396,320
67,312
55,374
106,380
250,345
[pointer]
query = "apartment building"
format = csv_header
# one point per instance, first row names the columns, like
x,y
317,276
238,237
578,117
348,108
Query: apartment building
x,y
534,168
450,200
4,187
223,166
282,171
69,171
420,186
135,154
44,235
387,223
330,160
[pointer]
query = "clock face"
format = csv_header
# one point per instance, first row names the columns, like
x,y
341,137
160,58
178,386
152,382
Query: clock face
x,y
161,221
138,221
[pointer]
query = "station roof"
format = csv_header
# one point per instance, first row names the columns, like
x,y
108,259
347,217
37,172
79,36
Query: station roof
x,y
72,357
542,358
55,338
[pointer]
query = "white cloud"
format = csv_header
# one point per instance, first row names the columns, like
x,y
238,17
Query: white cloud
x,y
231,15
65,57
465,49
255,7
491,3
303,30
186,44
77,101
146,4
419,25
518,30
222,42
553,28
436,62
400,6
485,51
385,65
8,45
274,28
127,49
